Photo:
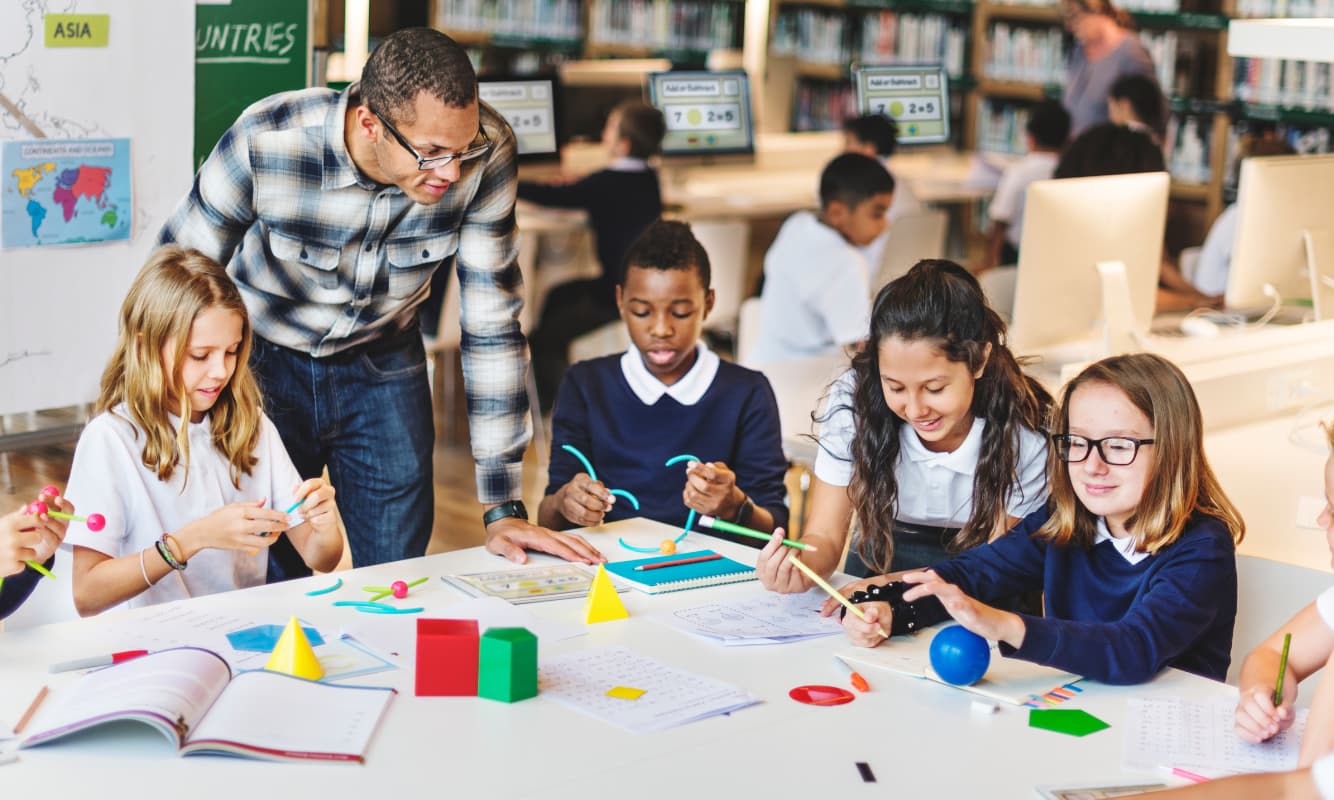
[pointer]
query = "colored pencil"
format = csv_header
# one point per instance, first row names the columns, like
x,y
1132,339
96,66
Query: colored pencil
x,y
706,521
831,591
1282,670
678,562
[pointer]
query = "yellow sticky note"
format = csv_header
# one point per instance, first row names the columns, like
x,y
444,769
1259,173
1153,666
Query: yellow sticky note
x,y
625,693
77,30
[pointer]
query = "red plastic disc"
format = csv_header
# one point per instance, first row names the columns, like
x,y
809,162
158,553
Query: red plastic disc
x,y
821,695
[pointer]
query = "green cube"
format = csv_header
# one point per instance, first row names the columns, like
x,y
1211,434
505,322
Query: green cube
x,y
507,665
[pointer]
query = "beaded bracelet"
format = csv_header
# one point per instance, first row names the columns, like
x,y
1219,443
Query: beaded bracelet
x,y
167,555
175,547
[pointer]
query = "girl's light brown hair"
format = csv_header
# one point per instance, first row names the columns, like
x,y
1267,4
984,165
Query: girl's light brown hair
x,y
168,294
1180,481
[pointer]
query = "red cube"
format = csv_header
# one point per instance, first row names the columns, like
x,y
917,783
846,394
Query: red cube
x,y
447,657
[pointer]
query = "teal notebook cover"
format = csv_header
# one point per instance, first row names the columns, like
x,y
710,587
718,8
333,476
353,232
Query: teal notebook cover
x,y
685,576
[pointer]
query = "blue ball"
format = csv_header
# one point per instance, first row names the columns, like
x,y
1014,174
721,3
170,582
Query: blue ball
x,y
959,656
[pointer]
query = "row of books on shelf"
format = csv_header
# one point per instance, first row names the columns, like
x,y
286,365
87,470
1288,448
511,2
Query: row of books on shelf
x,y
1285,8
667,24
811,35
822,106
1154,6
889,37
552,19
1282,82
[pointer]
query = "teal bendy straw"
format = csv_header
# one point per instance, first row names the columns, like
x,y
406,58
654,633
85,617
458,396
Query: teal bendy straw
x,y
706,521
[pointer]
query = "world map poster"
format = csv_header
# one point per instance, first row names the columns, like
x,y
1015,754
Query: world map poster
x,y
58,192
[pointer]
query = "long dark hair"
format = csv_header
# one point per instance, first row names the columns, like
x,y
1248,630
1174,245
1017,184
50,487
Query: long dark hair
x,y
940,301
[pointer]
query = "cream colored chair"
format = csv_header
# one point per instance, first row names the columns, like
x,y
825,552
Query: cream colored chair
x,y
728,244
912,238
747,329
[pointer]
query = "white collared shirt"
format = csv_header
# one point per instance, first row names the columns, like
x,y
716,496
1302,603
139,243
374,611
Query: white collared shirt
x,y
1124,545
108,476
687,391
1322,772
1325,605
628,164
933,488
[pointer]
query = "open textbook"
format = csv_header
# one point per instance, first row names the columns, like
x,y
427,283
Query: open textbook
x,y
1008,680
189,694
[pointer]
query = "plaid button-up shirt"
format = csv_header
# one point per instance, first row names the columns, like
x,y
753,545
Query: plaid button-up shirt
x,y
327,259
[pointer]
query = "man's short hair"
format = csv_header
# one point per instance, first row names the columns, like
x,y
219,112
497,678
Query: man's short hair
x,y
642,126
853,178
1049,124
412,61
876,130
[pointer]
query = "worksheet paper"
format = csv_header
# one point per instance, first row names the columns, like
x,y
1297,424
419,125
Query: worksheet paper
x,y
1200,735
671,696
766,618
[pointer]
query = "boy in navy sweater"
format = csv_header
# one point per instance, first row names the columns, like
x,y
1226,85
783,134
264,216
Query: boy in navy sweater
x,y
1135,552
621,201
667,395
24,538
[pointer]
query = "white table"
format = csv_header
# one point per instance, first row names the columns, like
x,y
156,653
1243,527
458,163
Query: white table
x,y
921,739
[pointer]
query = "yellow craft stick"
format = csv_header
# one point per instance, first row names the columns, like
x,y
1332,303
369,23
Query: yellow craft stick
x,y
834,593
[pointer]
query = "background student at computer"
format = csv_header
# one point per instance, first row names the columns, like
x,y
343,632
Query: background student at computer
x,y
621,200
817,284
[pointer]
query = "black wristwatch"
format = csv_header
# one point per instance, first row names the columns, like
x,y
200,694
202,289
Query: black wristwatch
x,y
744,511
513,508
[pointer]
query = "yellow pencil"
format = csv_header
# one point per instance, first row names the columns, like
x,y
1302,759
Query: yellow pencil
x,y
834,593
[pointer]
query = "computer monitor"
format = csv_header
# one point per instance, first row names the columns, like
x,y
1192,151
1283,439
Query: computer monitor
x,y
1069,289
529,106
915,96
1282,202
707,113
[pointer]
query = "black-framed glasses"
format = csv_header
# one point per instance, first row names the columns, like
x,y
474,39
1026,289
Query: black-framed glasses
x,y
435,162
1118,451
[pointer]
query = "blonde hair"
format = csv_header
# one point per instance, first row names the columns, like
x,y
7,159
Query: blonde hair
x,y
171,290
1180,482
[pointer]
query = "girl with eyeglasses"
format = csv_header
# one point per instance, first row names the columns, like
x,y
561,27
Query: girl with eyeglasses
x,y
1134,552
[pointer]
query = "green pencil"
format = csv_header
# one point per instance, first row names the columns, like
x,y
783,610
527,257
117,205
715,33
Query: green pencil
x,y
1282,668
705,521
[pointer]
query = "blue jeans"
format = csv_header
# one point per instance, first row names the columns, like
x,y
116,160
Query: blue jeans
x,y
366,415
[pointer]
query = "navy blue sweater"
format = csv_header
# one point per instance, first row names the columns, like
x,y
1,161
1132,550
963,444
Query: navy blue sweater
x,y
620,205
736,422
17,588
1106,618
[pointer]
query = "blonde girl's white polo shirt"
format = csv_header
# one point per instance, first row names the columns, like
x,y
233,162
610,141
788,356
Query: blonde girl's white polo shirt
x,y
109,477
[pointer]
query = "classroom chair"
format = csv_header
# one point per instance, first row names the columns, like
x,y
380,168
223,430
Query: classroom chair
x,y
728,244
747,329
1268,594
998,285
603,341
912,238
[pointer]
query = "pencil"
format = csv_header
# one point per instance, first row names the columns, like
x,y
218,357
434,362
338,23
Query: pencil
x,y
678,562
706,521
832,592
1282,669
32,709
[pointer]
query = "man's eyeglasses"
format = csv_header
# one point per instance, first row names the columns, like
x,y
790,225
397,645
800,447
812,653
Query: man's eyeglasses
x,y
435,162
1118,451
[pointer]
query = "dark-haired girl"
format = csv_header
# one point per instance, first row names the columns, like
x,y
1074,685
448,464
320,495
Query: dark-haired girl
x,y
931,439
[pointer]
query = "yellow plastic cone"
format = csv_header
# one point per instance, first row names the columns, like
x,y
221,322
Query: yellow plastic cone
x,y
603,604
293,654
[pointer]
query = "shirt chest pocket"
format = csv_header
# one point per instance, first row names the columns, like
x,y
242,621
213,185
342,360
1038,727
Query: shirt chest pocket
x,y
411,261
306,260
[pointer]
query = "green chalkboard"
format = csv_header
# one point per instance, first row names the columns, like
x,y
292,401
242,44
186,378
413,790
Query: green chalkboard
x,y
245,50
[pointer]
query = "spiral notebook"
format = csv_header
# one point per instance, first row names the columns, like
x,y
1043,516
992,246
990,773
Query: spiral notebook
x,y
685,576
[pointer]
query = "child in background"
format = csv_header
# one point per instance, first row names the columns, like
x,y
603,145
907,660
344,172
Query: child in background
x,y
877,136
23,538
1211,271
1048,126
932,438
181,444
1136,102
621,200
1110,149
667,395
1135,551
817,283
1311,648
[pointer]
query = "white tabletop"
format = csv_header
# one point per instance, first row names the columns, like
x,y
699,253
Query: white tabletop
x,y
914,734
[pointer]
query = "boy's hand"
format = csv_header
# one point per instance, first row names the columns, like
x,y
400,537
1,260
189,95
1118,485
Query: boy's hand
x,y
511,536
711,489
19,540
870,632
317,506
1257,719
776,572
52,530
584,501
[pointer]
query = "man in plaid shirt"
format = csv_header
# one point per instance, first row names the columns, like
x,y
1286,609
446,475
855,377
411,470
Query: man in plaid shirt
x,y
332,210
